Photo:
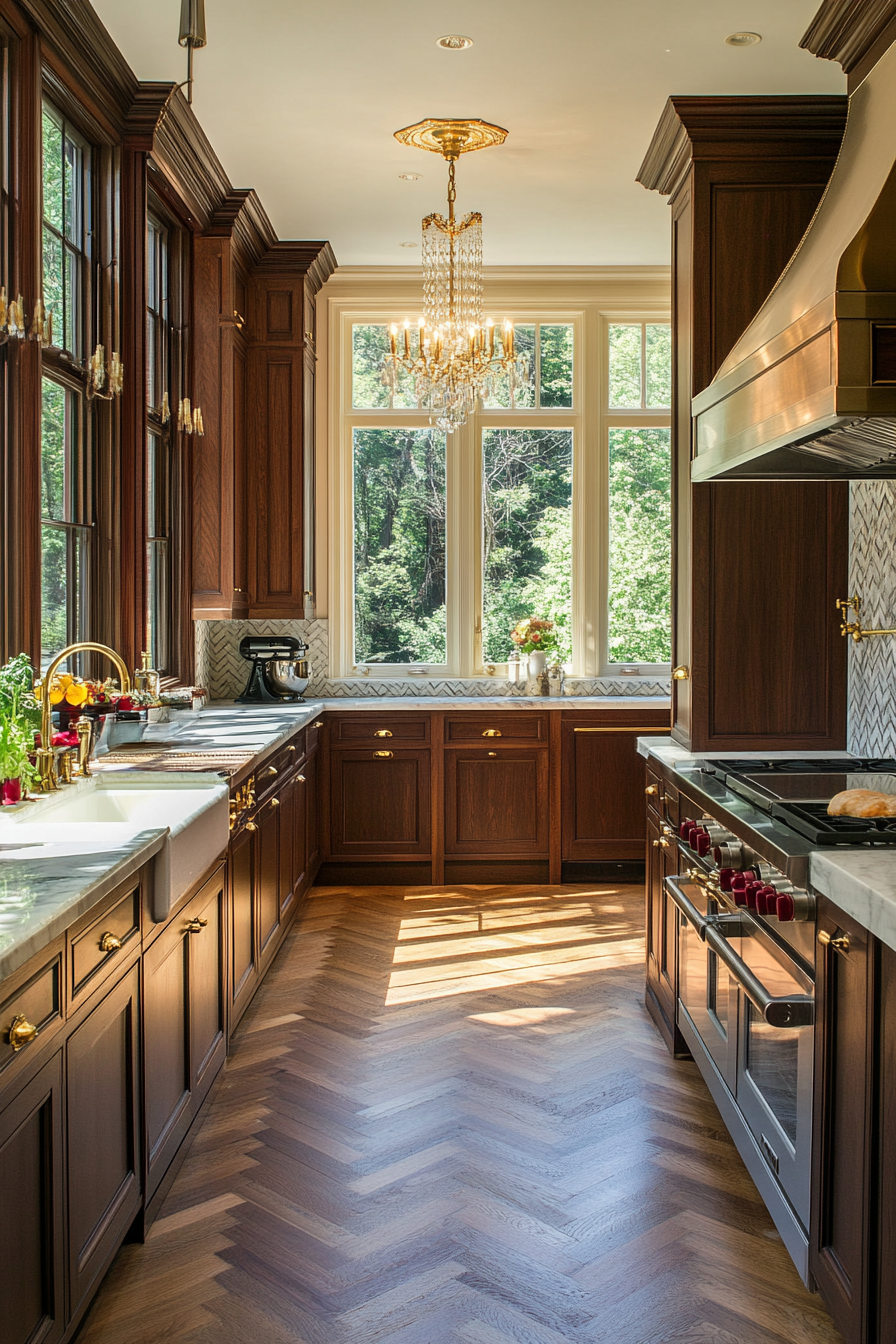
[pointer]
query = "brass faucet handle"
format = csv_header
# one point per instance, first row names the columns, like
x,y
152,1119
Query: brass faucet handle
x,y
84,729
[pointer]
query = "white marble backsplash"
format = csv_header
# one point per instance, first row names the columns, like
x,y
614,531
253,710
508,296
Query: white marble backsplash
x,y
872,574
224,673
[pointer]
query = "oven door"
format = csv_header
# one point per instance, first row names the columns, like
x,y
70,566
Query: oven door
x,y
706,991
775,1046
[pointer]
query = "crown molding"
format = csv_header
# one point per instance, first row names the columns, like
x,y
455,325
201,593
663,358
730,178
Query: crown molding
x,y
847,31
352,276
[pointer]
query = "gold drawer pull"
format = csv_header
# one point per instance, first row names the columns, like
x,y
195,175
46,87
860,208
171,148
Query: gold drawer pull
x,y
319,724
300,778
21,1032
275,802
110,942
290,748
272,770
651,790
493,753
839,942
196,925
250,826
382,755
382,732
493,732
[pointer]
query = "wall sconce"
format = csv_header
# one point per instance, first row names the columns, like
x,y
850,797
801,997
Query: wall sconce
x,y
12,315
41,325
96,376
189,420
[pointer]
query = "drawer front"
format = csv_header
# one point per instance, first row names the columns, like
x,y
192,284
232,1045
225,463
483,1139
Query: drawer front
x,y
377,729
104,942
485,729
271,775
28,1012
312,735
654,792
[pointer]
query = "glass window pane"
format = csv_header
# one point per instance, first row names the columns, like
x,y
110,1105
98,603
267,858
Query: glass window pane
x,y
625,365
54,285
54,495
73,340
659,364
640,546
527,535
399,528
73,193
500,397
157,609
370,345
54,589
556,364
52,172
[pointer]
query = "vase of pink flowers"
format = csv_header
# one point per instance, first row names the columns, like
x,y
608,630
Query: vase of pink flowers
x,y
535,638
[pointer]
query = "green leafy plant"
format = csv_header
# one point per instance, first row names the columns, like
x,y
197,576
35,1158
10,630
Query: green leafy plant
x,y
19,720
532,635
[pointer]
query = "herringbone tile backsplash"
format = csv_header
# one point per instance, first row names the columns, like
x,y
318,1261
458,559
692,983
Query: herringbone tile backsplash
x,y
224,673
872,574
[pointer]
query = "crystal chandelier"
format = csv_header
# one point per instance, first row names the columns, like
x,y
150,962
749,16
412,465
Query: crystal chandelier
x,y
454,358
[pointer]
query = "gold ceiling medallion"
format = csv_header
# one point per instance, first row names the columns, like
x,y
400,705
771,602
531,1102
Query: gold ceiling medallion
x,y
457,358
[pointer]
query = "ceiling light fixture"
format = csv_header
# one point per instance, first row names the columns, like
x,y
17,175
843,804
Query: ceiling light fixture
x,y
455,358
454,42
409,177
743,39
192,35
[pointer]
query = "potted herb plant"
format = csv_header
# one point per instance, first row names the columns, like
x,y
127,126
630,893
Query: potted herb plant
x,y
19,721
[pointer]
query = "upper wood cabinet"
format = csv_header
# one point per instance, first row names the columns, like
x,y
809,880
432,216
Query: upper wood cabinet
x,y
253,475
757,566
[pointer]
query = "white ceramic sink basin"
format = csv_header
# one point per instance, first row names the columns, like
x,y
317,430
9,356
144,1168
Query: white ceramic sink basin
x,y
193,809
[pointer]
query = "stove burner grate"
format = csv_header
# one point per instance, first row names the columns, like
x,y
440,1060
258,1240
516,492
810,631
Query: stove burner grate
x,y
813,821
881,765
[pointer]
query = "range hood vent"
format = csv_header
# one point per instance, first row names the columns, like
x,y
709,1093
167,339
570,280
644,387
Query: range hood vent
x,y
809,390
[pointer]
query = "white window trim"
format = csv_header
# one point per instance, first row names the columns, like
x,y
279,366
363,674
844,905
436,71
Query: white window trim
x,y
590,420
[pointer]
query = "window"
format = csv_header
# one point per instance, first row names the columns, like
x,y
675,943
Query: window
x,y
158,446
552,501
66,475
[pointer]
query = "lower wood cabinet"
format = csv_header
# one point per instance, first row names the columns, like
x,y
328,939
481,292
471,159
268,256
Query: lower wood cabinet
x,y
496,802
380,802
184,1023
103,1134
268,840
32,1233
661,933
243,936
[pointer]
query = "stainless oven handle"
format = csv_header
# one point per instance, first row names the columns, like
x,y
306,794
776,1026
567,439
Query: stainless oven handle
x,y
796,1011
685,905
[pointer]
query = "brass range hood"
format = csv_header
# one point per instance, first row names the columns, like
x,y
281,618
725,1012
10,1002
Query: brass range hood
x,y
809,390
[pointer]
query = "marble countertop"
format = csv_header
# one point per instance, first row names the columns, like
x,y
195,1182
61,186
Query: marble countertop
x,y
43,895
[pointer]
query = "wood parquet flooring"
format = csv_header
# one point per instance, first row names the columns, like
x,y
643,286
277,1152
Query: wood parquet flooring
x,y
448,1118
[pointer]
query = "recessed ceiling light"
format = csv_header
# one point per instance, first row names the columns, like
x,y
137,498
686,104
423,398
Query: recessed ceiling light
x,y
408,244
454,42
743,39
409,177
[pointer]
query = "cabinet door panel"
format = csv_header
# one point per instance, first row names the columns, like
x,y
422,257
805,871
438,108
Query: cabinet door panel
x,y
102,1088
603,794
268,849
165,1036
243,966
380,804
31,1232
496,802
206,968
292,842
311,771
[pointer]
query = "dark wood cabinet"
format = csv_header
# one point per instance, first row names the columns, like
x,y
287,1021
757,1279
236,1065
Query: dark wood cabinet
x,y
268,874
380,802
496,802
841,1237
102,1103
184,1023
244,958
757,566
603,802
661,933
32,1233
311,787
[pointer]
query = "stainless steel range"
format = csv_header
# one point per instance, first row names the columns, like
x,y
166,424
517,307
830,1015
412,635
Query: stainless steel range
x,y
747,951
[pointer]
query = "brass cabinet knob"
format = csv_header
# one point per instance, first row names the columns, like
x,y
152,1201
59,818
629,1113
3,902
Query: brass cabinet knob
x,y
493,732
493,753
110,942
839,941
319,724
196,925
290,748
651,790
275,802
21,1031
383,755
662,843
251,826
681,673
272,770
300,779
382,732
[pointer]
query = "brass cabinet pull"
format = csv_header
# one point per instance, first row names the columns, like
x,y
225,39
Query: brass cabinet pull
x,y
251,826
493,753
651,790
681,673
382,732
272,770
383,755
626,728
275,802
662,843
290,748
21,1032
493,732
110,942
196,925
300,778
839,942
319,724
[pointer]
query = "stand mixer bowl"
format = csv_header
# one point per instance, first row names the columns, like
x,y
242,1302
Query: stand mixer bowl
x,y
290,676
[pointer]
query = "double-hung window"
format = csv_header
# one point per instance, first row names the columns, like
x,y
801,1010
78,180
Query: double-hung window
x,y
66,477
552,501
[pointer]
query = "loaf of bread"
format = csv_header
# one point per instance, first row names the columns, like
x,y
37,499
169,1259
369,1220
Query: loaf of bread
x,y
862,803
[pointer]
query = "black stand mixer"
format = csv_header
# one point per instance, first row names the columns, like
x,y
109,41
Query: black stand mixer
x,y
280,670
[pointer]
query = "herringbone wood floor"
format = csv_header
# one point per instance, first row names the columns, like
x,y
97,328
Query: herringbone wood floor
x,y
448,1118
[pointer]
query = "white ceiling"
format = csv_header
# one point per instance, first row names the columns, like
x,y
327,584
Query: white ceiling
x,y
300,99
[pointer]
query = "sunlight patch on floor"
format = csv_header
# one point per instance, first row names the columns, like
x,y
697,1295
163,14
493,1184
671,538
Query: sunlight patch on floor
x,y
521,1017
